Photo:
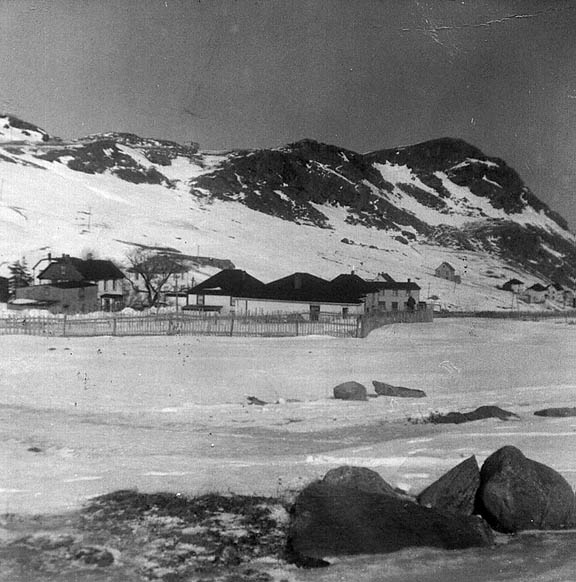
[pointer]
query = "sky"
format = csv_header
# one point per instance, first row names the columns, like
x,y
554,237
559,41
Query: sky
x,y
364,75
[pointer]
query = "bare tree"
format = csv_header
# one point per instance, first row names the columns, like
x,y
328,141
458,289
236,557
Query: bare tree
x,y
155,268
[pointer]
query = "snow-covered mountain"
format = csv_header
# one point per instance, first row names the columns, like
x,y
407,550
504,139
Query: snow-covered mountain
x,y
306,206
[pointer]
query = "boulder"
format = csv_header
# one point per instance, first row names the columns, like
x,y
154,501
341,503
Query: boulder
x,y
331,520
383,389
556,412
350,391
360,478
480,413
517,493
454,492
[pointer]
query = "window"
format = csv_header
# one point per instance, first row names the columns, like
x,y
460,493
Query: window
x,y
394,305
232,302
395,292
114,284
382,305
344,312
200,299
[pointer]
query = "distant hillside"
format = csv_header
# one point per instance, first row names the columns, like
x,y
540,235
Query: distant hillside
x,y
307,206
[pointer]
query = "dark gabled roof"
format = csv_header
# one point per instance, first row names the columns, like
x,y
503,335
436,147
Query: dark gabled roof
x,y
300,287
230,282
346,288
511,283
557,286
537,287
349,284
97,269
447,264
89,270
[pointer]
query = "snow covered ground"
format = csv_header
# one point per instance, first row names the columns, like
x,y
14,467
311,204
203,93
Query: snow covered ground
x,y
85,416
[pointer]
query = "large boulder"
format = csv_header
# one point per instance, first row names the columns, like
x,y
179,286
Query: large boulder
x,y
383,389
350,391
330,520
454,492
517,493
360,478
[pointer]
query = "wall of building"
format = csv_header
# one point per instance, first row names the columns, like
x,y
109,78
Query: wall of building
x,y
69,299
243,306
390,299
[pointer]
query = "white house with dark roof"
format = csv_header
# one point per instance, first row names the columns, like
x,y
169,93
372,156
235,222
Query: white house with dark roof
x,y
536,293
104,274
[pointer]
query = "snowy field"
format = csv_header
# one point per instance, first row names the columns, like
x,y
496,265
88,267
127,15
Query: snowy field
x,y
85,416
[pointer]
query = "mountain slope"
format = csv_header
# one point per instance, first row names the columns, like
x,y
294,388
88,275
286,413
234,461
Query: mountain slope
x,y
306,206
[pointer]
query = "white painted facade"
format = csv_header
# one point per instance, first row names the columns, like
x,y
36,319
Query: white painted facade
x,y
391,299
247,306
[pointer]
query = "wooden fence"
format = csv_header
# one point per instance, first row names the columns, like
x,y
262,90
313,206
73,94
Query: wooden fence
x,y
277,325
518,314
178,324
376,319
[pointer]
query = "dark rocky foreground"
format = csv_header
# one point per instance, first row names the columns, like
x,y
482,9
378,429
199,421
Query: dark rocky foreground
x,y
131,536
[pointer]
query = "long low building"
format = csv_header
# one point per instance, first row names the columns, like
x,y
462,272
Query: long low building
x,y
236,291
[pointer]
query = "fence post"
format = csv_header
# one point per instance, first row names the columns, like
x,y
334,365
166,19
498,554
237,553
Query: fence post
x,y
64,326
231,326
114,325
296,322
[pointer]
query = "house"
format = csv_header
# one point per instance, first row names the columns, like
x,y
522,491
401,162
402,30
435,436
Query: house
x,y
537,293
556,292
448,272
65,297
220,292
309,296
386,294
104,274
179,269
513,285
569,298
303,294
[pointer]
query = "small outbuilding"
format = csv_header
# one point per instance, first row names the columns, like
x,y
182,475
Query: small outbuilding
x,y
537,293
513,285
448,272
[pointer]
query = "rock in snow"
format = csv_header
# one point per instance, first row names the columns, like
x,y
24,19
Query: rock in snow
x,y
350,391
556,412
480,413
517,493
360,478
383,389
454,492
330,519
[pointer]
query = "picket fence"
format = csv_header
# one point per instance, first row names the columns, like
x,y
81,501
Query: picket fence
x,y
178,324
